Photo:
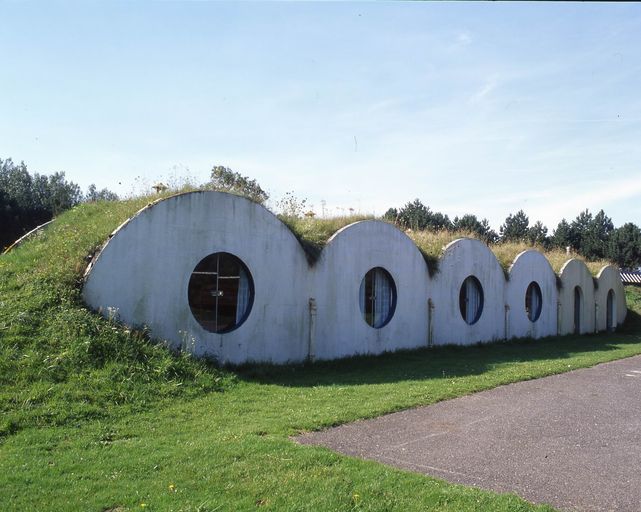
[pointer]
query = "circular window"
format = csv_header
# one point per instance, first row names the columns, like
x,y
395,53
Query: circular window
x,y
471,300
221,292
533,301
377,297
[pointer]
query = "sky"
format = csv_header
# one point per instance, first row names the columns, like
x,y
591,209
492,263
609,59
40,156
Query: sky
x,y
483,107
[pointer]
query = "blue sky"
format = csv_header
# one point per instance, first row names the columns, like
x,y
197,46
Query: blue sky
x,y
482,108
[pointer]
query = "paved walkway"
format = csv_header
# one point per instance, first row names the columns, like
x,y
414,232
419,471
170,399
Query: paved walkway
x,y
571,440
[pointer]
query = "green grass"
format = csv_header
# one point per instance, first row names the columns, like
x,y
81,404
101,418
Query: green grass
x,y
314,233
58,361
95,417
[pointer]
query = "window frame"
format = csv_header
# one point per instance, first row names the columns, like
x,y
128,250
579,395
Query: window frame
x,y
217,293
363,303
464,300
533,286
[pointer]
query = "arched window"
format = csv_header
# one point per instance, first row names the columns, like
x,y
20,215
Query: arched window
x,y
471,300
578,304
533,301
377,297
610,312
221,292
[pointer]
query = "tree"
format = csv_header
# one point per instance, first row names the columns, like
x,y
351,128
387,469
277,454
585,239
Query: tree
x,y
391,215
27,201
94,195
538,234
61,194
589,235
597,241
470,223
226,180
415,215
624,246
488,234
17,184
579,229
8,220
561,238
515,228
439,222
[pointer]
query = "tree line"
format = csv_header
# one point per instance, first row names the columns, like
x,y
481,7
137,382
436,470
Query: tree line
x,y
592,236
28,200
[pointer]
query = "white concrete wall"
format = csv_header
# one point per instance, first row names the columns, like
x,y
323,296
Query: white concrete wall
x,y
610,279
575,273
462,258
527,267
142,274
144,270
354,250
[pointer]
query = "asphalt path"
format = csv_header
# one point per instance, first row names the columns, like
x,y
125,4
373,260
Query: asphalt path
x,y
571,440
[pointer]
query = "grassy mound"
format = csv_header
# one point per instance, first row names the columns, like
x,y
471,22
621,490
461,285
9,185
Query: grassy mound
x,y
60,362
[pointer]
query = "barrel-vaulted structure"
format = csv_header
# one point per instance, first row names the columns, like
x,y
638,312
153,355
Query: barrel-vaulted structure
x,y
370,287
610,299
532,297
211,273
576,299
468,298
219,276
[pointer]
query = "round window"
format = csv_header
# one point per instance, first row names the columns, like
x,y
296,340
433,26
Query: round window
x,y
221,292
377,297
533,301
471,300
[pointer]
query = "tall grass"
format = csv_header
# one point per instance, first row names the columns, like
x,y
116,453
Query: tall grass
x,y
314,233
508,251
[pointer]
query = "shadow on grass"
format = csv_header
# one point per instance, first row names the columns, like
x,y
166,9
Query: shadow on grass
x,y
632,323
439,362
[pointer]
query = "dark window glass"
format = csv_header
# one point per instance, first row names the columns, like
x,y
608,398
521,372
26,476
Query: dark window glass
x,y
577,309
533,301
471,300
377,297
610,322
221,292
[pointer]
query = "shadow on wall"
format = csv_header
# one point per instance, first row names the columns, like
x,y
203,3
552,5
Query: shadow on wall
x,y
446,362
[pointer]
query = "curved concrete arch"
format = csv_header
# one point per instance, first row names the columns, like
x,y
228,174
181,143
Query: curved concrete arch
x,y
143,273
27,236
609,278
351,252
531,266
462,258
575,273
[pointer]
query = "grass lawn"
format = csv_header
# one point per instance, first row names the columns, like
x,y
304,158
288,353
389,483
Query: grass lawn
x,y
96,418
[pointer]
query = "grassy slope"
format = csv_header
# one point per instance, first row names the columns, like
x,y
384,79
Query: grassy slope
x,y
58,361
96,418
